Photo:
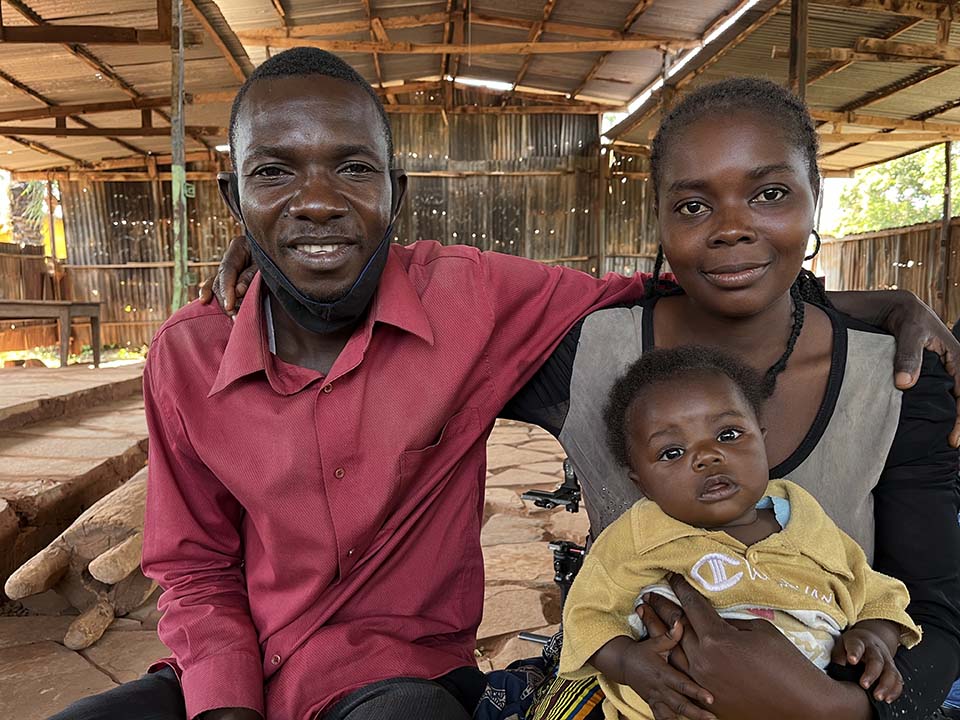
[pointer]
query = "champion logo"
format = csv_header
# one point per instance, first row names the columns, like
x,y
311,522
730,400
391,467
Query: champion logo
x,y
711,571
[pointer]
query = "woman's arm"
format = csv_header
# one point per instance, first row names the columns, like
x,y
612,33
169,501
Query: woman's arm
x,y
918,539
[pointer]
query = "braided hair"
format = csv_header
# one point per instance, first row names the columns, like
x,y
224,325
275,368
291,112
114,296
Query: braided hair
x,y
788,113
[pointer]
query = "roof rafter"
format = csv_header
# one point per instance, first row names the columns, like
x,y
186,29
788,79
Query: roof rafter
x,y
80,52
631,18
236,68
533,35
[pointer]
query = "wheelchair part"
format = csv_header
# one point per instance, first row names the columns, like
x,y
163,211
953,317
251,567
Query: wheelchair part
x,y
566,496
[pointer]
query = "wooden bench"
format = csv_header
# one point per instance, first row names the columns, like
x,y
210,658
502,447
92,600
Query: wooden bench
x,y
63,311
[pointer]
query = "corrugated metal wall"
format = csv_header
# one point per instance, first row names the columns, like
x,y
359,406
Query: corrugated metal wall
x,y
549,209
906,258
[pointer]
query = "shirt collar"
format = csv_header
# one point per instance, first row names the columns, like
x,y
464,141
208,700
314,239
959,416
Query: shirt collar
x,y
396,303
806,521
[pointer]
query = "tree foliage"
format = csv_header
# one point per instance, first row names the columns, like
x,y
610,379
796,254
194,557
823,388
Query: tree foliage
x,y
904,191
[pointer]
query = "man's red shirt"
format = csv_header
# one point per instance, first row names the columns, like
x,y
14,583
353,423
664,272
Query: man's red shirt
x,y
317,533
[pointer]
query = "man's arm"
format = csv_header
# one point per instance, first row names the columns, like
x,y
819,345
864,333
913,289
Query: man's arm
x,y
192,548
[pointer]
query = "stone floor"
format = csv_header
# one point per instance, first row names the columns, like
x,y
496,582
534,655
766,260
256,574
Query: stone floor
x,y
39,676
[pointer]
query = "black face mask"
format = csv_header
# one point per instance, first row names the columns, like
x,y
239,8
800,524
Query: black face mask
x,y
314,315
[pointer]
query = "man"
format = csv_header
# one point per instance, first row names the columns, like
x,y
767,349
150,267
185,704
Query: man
x,y
317,467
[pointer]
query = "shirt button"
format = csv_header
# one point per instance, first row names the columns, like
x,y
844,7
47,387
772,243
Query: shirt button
x,y
275,660
350,552
338,473
328,389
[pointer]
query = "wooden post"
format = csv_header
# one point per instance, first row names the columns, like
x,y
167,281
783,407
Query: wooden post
x,y
600,208
53,230
798,48
178,162
942,291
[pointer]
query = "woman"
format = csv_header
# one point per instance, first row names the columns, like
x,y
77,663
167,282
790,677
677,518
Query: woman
x,y
736,181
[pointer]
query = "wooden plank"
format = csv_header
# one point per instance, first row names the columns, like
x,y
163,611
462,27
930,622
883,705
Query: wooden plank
x,y
93,176
908,50
30,131
511,48
57,111
87,34
496,109
399,22
849,55
943,287
887,137
880,121
281,12
844,64
799,25
910,8
570,29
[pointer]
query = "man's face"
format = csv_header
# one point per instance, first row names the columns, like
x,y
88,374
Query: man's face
x,y
312,168
697,450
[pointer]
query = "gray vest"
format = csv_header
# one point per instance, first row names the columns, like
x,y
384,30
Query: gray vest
x,y
840,471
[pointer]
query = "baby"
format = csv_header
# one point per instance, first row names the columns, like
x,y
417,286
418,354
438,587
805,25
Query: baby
x,y
685,421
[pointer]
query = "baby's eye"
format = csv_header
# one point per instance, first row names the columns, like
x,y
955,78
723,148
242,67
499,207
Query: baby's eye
x,y
693,207
670,454
729,435
771,195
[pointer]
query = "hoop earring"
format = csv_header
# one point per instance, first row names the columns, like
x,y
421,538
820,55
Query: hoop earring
x,y
816,250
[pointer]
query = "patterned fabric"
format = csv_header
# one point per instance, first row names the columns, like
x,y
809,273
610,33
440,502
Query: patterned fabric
x,y
530,690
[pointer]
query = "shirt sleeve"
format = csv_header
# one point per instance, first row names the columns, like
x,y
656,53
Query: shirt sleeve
x,y
918,539
878,596
533,306
602,598
192,548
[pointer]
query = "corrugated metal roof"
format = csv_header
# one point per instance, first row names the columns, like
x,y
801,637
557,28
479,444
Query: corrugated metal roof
x,y
853,87
63,78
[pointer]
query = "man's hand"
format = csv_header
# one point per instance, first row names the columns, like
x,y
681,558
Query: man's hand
x,y
873,642
915,326
643,666
233,277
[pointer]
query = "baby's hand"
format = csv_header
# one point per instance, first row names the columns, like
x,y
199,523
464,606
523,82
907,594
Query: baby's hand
x,y
671,694
872,642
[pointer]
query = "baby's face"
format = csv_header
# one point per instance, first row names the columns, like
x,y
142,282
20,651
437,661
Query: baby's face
x,y
697,450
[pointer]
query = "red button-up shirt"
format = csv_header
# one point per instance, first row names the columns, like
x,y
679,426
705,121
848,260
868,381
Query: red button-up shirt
x,y
314,534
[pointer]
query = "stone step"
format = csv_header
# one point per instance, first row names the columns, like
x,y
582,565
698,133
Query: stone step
x,y
52,471
31,395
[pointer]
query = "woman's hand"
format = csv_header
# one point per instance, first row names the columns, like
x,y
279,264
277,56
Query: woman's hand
x,y
915,326
233,277
753,671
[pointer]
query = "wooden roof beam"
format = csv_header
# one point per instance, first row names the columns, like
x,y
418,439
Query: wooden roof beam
x,y
533,35
509,48
104,70
631,18
887,137
43,149
89,34
844,64
235,67
561,28
880,121
496,109
49,104
637,118
850,55
910,8
10,130
398,22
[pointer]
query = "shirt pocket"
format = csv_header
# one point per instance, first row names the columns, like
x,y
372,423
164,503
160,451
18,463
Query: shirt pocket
x,y
446,480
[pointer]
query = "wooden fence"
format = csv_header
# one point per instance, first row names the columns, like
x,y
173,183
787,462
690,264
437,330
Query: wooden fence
x,y
907,258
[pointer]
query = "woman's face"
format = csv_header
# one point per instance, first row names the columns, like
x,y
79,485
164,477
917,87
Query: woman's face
x,y
735,210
